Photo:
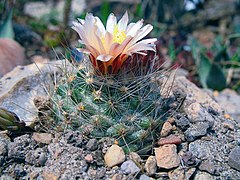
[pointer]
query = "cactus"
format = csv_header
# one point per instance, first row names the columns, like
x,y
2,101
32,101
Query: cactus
x,y
126,107
10,121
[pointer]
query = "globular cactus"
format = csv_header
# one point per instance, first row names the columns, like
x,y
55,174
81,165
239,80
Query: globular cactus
x,y
128,109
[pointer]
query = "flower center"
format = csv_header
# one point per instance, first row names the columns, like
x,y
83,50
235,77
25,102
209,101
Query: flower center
x,y
118,36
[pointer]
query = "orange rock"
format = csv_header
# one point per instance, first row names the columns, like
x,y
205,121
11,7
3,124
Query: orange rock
x,y
11,55
171,139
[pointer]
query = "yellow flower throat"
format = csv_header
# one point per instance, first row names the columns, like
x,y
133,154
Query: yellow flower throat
x,y
118,36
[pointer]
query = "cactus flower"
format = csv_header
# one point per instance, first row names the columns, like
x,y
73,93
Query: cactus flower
x,y
109,47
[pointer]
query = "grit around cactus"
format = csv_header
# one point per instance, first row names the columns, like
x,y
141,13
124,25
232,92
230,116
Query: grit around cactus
x,y
114,90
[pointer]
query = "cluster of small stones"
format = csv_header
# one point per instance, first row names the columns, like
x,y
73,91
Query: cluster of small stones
x,y
199,142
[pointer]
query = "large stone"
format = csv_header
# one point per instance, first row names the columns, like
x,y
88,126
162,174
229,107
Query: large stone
x,y
114,156
234,158
92,145
229,101
22,86
11,55
194,94
167,156
36,157
144,177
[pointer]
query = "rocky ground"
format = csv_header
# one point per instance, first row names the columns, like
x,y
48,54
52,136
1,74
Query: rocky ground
x,y
200,141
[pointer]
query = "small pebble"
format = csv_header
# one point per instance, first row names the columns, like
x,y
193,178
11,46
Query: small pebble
x,y
88,158
135,157
129,167
227,116
44,138
228,125
42,159
92,145
183,123
151,165
114,156
166,129
144,177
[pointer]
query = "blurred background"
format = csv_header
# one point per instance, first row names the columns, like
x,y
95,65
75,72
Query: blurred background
x,y
201,37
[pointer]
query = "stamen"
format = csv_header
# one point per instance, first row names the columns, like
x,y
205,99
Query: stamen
x,y
118,36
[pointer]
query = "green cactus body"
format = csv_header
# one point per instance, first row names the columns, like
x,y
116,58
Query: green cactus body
x,y
128,109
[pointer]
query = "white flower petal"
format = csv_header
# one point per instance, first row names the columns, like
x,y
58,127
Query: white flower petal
x,y
141,47
132,30
100,44
147,41
89,28
108,41
104,57
101,28
129,27
122,24
83,50
79,29
93,50
117,48
111,22
81,21
89,17
143,32
81,42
